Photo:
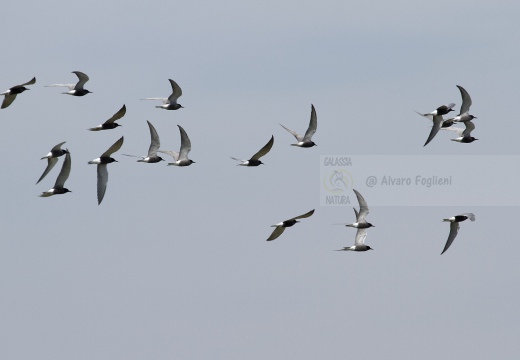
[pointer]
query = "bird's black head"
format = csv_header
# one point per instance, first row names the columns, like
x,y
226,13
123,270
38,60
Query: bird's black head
x,y
260,162
160,158
370,225
116,125
313,143
369,248
111,160
450,110
65,190
191,161
472,117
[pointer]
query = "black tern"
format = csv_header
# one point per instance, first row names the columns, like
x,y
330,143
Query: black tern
x,y
438,121
170,103
361,222
305,141
181,157
359,244
102,172
58,188
155,144
464,135
454,227
110,123
75,89
464,109
255,159
52,159
280,227
10,94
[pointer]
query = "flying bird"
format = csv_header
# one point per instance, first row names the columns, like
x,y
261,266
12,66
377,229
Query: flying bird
x,y
10,94
464,109
464,135
181,157
361,222
280,227
58,188
110,123
102,172
155,144
255,159
438,121
359,243
454,227
52,159
305,141
170,103
75,89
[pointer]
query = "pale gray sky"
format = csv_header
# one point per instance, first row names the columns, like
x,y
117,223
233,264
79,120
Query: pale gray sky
x,y
174,263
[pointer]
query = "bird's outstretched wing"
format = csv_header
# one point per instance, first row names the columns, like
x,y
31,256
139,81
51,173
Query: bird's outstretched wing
x,y
116,146
267,147
454,230
313,125
64,173
118,115
276,233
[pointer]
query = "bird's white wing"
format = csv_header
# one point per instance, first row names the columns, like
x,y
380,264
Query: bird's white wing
x,y
295,134
116,146
70,86
313,125
469,128
361,235
267,147
64,173
363,206
185,144
164,100
176,92
83,78
458,130
470,216
173,154
50,164
466,100
155,142
437,124
102,180
454,230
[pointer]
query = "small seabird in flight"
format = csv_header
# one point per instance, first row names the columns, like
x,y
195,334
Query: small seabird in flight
x,y
359,244
102,172
305,141
464,109
75,89
155,144
361,222
58,188
255,159
52,159
181,157
110,123
280,227
464,135
454,227
10,94
170,103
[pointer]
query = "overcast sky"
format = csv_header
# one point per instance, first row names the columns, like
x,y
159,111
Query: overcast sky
x,y
174,263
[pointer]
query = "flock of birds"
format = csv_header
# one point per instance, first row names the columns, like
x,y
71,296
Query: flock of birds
x,y
181,158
